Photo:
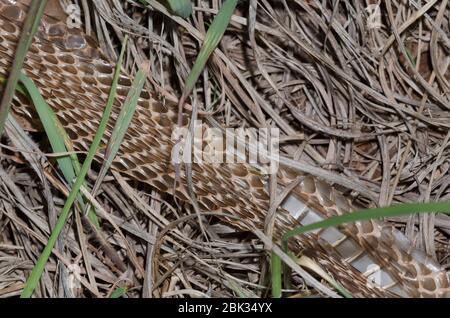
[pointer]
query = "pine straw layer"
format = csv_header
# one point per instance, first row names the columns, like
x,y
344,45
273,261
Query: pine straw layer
x,y
365,99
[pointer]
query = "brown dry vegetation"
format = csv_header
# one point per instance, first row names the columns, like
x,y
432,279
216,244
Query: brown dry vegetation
x,y
369,103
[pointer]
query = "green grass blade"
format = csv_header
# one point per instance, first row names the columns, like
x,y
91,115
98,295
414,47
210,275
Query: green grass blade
x,y
48,120
118,292
409,55
19,87
125,115
212,39
42,261
368,214
372,214
29,29
182,8
213,36
27,87
276,276
122,123
237,289
69,164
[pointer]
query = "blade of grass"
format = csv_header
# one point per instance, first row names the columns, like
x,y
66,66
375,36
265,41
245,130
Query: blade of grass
x,y
182,8
367,214
19,87
212,39
27,87
42,261
124,119
213,36
276,276
30,26
56,135
118,292
122,123
238,289
372,214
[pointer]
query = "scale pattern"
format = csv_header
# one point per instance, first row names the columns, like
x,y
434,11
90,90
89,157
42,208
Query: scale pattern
x,y
370,259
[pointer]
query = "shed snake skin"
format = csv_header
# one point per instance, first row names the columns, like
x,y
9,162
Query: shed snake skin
x,y
74,77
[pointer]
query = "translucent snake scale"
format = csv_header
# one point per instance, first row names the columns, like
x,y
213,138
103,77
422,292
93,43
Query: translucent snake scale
x,y
75,77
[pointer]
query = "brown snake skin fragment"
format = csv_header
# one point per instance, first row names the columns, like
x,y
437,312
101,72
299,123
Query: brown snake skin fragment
x,y
74,77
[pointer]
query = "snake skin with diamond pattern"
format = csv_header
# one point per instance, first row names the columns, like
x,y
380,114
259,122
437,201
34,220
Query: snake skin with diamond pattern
x,y
370,259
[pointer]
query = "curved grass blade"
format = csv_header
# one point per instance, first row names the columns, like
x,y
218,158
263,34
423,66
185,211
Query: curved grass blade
x,y
56,135
182,8
367,214
371,214
29,29
125,116
122,123
212,39
42,261
213,36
